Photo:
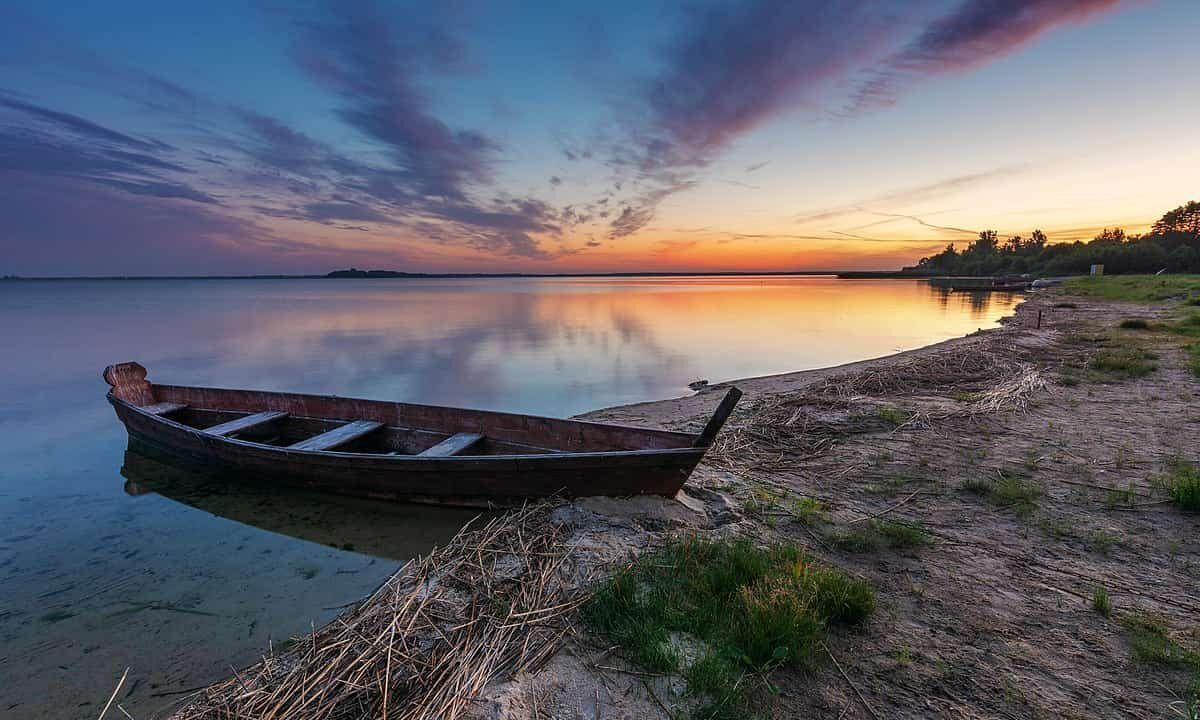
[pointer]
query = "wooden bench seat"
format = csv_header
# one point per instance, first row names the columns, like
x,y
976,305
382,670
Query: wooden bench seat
x,y
452,445
163,408
338,436
248,422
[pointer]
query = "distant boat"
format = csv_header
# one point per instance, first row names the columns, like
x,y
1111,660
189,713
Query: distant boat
x,y
400,451
1004,283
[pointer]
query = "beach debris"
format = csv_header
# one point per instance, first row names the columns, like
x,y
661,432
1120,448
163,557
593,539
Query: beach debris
x,y
905,392
492,603
698,385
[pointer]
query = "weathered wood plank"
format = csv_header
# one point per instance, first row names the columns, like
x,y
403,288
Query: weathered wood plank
x,y
163,408
338,436
245,423
717,421
452,445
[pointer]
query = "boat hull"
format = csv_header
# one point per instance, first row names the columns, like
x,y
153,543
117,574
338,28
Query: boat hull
x,y
481,480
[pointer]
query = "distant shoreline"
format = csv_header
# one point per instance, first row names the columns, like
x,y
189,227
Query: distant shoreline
x,y
394,275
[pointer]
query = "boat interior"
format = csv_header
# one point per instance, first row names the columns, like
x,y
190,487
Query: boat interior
x,y
281,429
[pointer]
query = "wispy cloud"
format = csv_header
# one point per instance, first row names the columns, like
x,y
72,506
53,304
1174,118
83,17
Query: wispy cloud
x,y
355,51
974,34
734,67
51,142
892,205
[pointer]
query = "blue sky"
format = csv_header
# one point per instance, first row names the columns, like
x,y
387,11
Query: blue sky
x,y
155,138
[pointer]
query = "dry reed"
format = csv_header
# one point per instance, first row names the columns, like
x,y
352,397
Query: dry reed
x,y
493,602
784,428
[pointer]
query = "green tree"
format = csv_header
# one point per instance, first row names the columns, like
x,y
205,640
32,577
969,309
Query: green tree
x,y
1184,219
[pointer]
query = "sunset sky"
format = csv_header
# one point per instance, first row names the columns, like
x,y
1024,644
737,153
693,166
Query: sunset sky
x,y
148,138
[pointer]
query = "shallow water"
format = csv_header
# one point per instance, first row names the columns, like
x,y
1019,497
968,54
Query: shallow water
x,y
182,579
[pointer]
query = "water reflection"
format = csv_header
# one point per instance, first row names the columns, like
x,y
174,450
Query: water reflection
x,y
392,531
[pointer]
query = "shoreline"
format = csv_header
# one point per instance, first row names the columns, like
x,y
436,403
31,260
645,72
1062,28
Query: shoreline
x,y
988,613
776,382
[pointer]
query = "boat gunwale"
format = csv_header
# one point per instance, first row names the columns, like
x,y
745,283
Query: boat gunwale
x,y
472,459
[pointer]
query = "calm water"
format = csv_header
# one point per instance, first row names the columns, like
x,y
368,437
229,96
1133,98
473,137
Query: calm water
x,y
181,580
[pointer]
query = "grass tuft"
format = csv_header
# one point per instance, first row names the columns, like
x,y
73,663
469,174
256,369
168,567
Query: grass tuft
x,y
1100,601
1182,482
806,510
1124,362
751,608
1193,363
893,416
1150,643
1008,492
878,535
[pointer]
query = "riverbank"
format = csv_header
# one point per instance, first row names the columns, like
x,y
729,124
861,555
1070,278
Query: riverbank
x,y
1044,571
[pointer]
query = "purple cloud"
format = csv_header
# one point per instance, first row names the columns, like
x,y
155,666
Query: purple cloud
x,y
630,221
327,211
275,144
73,146
735,67
976,33
369,62
80,125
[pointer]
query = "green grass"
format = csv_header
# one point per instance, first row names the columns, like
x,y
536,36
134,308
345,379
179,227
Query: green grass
x,y
1011,492
1114,357
894,416
1117,497
808,511
1150,643
1100,601
1101,541
1136,288
761,500
1135,324
1182,483
751,609
1193,363
1189,324
876,535
1124,361
1127,360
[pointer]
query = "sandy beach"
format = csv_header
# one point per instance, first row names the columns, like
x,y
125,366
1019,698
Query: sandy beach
x,y
1033,473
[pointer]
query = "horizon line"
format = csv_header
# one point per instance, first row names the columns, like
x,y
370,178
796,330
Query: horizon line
x,y
402,275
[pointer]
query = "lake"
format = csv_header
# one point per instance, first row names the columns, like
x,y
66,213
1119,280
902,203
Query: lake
x,y
108,562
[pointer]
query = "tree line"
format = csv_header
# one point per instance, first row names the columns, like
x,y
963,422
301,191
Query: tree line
x,y
1173,244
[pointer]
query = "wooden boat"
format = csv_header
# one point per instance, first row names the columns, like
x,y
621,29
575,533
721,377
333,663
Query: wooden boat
x,y
400,451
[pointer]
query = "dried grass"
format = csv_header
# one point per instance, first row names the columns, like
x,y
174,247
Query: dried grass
x,y
941,371
491,603
1013,393
784,428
